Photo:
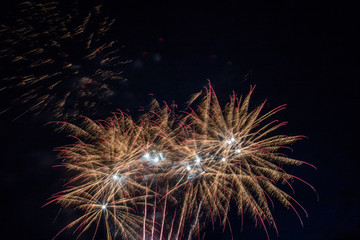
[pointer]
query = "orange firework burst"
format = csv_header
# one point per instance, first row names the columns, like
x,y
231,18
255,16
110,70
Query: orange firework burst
x,y
147,178
107,164
229,154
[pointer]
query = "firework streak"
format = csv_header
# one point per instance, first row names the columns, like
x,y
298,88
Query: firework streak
x,y
56,60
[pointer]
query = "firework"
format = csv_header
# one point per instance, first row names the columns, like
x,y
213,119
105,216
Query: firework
x,y
57,61
228,154
154,175
107,164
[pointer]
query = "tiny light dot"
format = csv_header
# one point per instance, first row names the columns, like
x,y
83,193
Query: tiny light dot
x,y
238,150
103,206
188,168
223,159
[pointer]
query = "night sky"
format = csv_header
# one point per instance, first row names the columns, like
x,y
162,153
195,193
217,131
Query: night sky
x,y
295,54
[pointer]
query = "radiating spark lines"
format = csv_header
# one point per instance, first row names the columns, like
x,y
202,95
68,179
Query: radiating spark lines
x,y
149,178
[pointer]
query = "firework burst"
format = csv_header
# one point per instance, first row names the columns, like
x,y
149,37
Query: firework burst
x,y
168,169
230,155
57,61
106,161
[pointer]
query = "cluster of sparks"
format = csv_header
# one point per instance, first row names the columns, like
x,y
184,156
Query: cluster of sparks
x,y
55,59
169,172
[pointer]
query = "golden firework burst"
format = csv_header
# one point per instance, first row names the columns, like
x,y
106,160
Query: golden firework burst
x,y
153,175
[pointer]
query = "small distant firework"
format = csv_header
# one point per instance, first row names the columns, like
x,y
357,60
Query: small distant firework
x,y
57,60
149,178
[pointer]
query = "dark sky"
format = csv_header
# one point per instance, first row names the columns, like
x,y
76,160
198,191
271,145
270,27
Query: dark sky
x,y
298,54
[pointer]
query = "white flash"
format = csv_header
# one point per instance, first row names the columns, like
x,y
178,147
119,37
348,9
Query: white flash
x,y
197,159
